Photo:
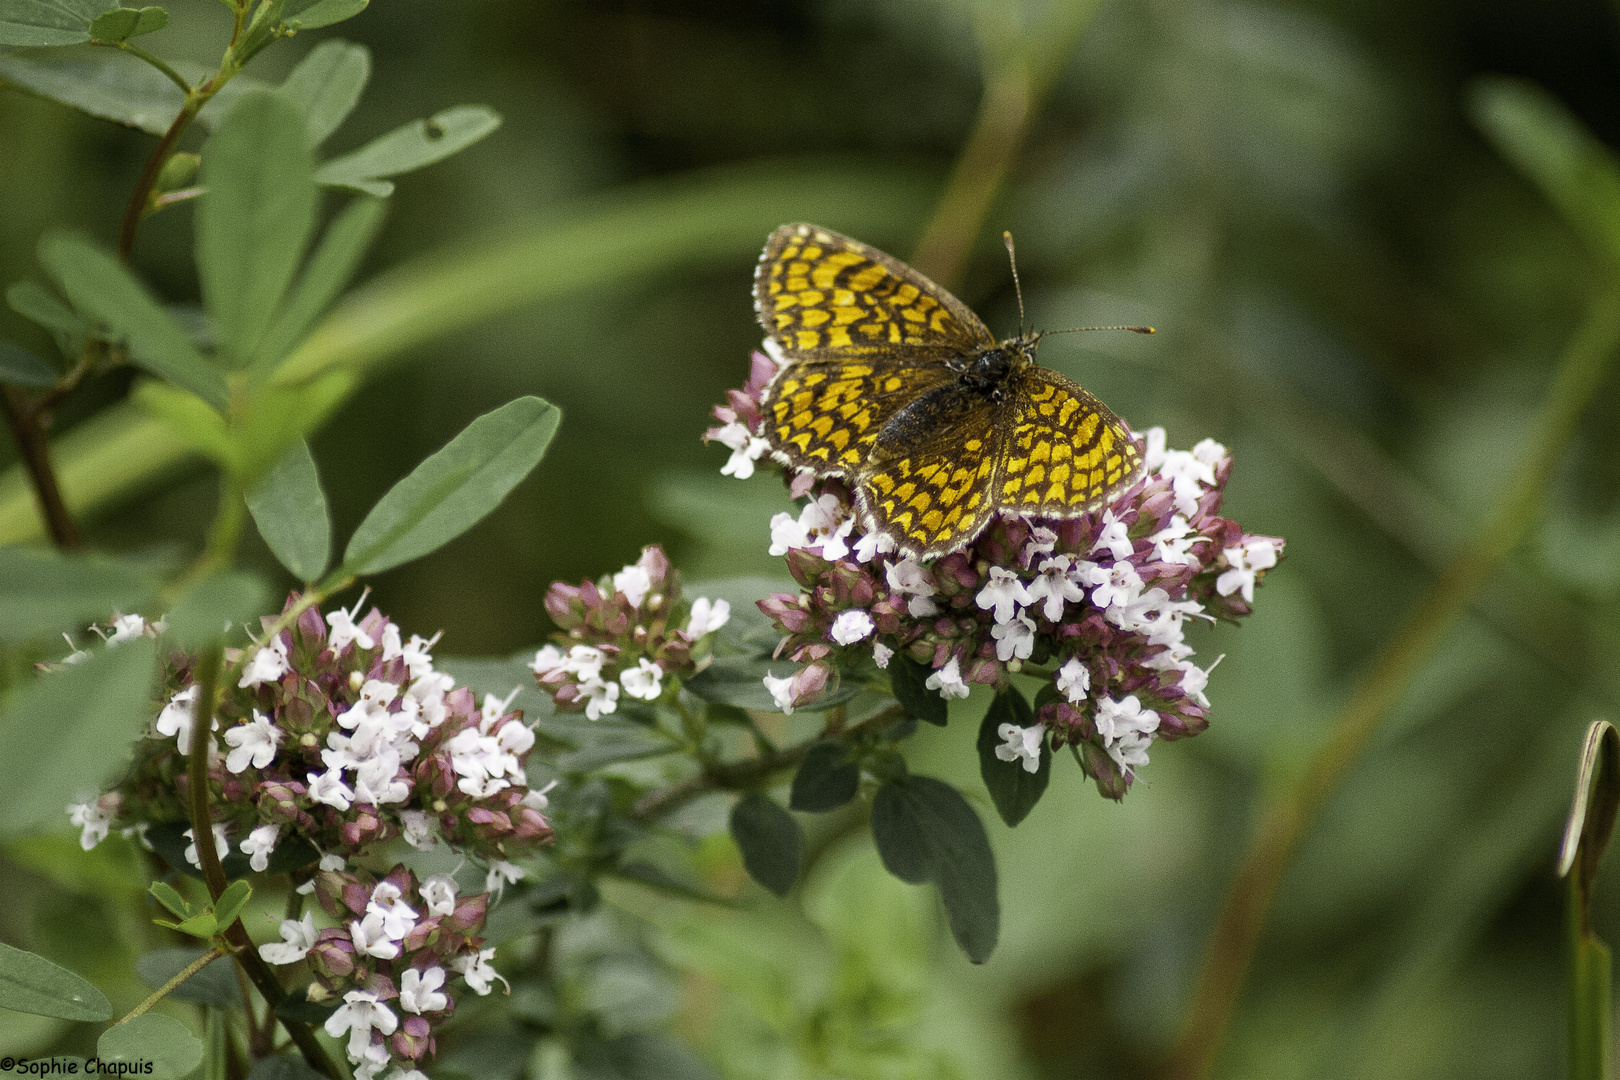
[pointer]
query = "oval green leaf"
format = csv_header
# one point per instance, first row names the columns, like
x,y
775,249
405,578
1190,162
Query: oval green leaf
x,y
289,507
326,85
46,22
908,679
1013,789
826,779
151,1040
413,146
451,491
32,984
43,592
770,840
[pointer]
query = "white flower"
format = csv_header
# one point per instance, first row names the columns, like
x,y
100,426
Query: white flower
x,y
1153,457
417,829
376,780
77,656
536,800
1074,680
1114,586
633,582
258,846
419,990
1188,475
1195,679
948,681
746,448
786,533
1041,542
398,917
126,628
644,681
908,577
477,970
1005,593
1246,561
1130,751
345,631
1174,542
93,819
390,642
402,1074
851,626
1022,743
1115,537
516,739
1155,615
269,664
1210,453
1055,586
221,843
500,873
176,717
1015,639
707,616
601,698
827,521
881,654
872,544
439,894
781,691
328,787
584,662
1116,719
495,708
371,938
254,742
331,864
373,1060
358,1015
297,938
548,658
418,661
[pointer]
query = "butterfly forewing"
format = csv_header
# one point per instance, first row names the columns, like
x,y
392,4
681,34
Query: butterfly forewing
x,y
824,296
825,414
1066,453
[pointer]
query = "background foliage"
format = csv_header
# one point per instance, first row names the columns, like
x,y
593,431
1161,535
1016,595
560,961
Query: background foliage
x,y
1354,291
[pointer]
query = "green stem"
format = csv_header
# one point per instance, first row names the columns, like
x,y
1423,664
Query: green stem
x,y
156,61
163,991
1237,929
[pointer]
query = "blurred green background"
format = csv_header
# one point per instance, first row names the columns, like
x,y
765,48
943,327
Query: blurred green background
x,y
1353,292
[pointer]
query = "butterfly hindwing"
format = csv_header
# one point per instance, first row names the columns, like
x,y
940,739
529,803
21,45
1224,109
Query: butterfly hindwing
x,y
821,295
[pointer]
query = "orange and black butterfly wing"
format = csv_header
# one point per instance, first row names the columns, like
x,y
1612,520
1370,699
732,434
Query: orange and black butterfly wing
x,y
824,415
1066,453
821,295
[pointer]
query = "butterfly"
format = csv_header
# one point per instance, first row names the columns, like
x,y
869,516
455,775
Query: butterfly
x,y
892,384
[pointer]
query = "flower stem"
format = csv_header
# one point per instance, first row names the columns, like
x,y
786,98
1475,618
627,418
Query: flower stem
x,y
163,991
23,418
1237,929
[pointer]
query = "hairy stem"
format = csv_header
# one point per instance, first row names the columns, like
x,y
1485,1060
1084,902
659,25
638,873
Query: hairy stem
x,y
23,418
163,991
1237,929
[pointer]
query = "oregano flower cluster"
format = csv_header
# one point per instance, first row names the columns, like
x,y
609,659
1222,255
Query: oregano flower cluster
x,y
1096,605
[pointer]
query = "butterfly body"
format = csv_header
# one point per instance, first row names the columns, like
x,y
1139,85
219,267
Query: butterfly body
x,y
894,385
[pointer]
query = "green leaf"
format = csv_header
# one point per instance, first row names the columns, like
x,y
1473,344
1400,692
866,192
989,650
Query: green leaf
x,y
152,1042
1573,168
232,901
739,681
214,984
101,287
642,1056
826,779
106,83
43,592
122,23
32,984
19,367
290,510
229,598
326,85
297,1006
405,149
926,831
202,926
33,301
1014,790
770,841
605,751
170,898
313,14
66,731
908,680
47,22
328,272
451,491
256,219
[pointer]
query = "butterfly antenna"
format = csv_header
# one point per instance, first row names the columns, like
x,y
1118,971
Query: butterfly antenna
x,y
1078,329
1012,258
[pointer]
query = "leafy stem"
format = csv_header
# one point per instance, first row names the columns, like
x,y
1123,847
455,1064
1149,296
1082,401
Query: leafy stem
x,y
156,61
